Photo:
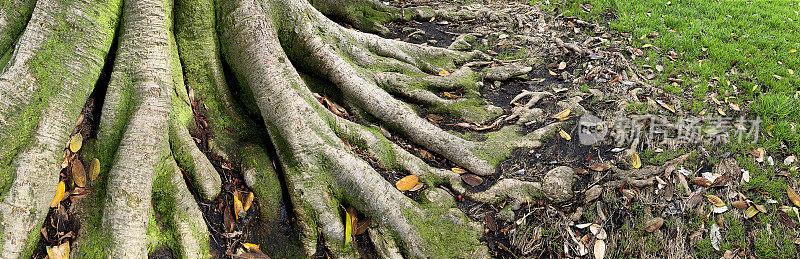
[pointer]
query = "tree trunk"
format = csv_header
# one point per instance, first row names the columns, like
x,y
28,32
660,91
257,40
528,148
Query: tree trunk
x,y
195,90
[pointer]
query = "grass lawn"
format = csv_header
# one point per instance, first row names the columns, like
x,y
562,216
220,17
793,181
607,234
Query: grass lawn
x,y
745,51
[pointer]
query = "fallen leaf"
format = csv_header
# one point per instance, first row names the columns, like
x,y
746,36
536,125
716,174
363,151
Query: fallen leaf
x,y
721,181
362,226
793,196
761,208
713,199
417,187
750,212
599,249
562,65
58,252
666,106
490,223
407,182
701,181
564,135
721,112
459,170
248,201
238,209
653,224
94,169
786,220
444,73
78,173
250,247
472,179
228,220
348,226
720,210
563,115
450,95
637,162
602,235
715,236
792,51
600,167
59,194
659,68
552,73
75,143
595,228
758,154
740,205
734,106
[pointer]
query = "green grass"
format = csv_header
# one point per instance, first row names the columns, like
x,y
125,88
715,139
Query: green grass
x,y
712,38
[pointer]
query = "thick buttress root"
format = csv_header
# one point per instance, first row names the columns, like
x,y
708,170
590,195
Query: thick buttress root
x,y
160,82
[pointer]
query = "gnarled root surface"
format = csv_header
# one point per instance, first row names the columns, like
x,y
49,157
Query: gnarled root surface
x,y
168,58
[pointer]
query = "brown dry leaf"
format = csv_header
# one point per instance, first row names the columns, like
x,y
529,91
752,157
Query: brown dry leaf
x,y
713,199
444,73
407,183
490,223
740,205
758,154
58,252
666,106
750,212
637,162
701,181
459,170
787,221
600,167
722,180
653,224
417,187
75,143
227,219
362,226
793,196
238,209
248,201
599,249
564,135
734,106
94,169
78,173
59,194
563,115
472,179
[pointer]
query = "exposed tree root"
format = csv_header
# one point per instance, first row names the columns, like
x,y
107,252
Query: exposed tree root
x,y
165,89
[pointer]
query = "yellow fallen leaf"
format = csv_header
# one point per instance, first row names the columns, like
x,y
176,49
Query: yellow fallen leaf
x,y
78,173
58,252
450,95
407,183
237,205
563,115
444,73
59,194
248,201
75,143
637,162
791,72
793,196
552,73
564,134
792,51
713,199
647,46
750,212
348,227
459,170
249,246
94,169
